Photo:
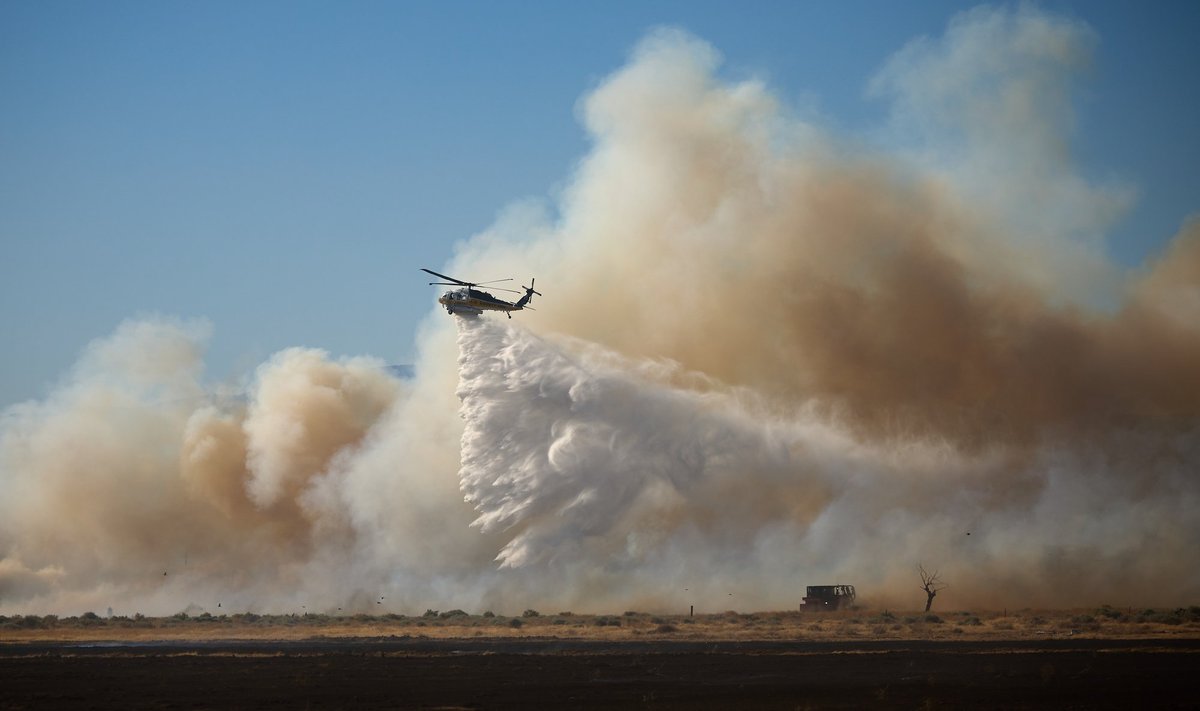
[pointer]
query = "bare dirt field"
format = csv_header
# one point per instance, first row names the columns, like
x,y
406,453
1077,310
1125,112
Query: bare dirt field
x,y
1095,658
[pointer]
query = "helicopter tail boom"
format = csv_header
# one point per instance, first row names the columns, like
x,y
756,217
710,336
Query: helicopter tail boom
x,y
529,292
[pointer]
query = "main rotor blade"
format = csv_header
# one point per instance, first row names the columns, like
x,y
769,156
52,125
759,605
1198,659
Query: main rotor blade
x,y
448,278
493,281
472,286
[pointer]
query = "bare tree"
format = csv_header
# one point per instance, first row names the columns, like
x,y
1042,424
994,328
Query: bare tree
x,y
931,584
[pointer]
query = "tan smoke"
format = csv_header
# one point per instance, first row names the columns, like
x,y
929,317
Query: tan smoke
x,y
697,233
953,313
767,356
133,475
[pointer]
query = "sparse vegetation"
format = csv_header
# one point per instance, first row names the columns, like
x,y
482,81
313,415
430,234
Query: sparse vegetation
x,y
1106,622
1162,617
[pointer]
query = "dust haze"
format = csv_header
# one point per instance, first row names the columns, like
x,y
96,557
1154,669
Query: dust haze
x,y
770,354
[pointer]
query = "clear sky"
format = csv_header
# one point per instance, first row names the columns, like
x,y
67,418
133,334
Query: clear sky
x,y
282,169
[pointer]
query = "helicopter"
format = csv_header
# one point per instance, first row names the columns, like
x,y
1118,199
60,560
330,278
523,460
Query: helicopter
x,y
469,301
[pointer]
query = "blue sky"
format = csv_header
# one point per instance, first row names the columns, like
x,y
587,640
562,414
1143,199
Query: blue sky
x,y
282,169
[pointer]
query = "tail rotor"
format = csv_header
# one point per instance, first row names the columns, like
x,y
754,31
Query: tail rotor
x,y
529,292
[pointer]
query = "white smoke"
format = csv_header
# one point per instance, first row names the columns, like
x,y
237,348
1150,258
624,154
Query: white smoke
x,y
584,458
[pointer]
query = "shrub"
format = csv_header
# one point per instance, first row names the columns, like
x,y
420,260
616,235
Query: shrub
x,y
530,613
1166,618
489,613
430,613
665,628
515,622
453,613
933,619
28,622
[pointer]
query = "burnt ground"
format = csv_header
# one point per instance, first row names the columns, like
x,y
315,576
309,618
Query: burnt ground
x,y
404,672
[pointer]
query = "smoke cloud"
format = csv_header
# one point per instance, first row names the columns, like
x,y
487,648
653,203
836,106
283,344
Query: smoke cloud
x,y
768,356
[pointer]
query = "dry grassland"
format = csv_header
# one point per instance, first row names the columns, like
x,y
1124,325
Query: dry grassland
x,y
841,626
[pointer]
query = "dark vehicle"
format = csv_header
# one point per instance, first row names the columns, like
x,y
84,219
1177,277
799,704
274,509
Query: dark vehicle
x,y
828,597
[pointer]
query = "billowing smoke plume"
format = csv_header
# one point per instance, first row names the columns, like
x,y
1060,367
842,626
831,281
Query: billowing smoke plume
x,y
767,357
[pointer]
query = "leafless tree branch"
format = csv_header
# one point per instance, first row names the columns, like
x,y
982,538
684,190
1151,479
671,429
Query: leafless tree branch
x,y
931,583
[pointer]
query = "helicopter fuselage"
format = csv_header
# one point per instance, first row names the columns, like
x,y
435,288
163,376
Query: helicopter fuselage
x,y
473,302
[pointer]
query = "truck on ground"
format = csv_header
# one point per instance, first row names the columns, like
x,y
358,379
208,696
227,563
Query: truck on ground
x,y
828,597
